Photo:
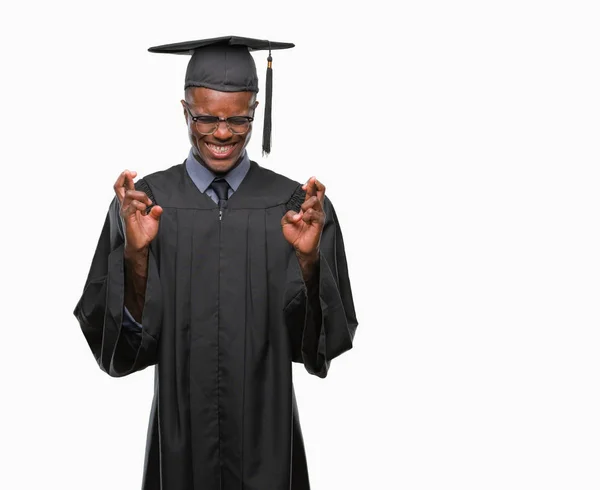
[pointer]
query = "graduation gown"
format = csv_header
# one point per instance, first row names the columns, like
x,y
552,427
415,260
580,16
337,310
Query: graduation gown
x,y
226,312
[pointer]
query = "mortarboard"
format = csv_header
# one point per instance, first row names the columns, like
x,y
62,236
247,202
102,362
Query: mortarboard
x,y
225,64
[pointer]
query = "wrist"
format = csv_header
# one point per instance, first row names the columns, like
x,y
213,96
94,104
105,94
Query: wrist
x,y
136,260
132,253
308,264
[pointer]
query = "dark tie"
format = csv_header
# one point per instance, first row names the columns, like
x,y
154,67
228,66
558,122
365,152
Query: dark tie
x,y
221,188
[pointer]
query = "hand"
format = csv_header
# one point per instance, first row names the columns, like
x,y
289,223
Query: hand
x,y
303,230
139,228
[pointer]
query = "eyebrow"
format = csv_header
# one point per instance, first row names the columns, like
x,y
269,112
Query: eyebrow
x,y
212,115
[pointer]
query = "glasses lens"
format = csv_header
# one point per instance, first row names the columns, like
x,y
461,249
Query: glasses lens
x,y
238,124
206,124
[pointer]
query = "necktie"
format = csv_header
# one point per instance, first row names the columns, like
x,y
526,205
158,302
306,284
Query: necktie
x,y
221,188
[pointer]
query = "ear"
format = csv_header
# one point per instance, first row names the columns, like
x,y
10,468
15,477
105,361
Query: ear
x,y
185,112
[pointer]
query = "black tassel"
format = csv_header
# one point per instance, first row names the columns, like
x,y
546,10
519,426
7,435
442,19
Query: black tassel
x,y
266,143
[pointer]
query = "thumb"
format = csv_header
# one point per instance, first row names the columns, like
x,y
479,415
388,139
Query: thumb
x,y
291,217
155,212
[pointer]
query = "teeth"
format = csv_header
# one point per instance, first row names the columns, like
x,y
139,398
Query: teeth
x,y
219,149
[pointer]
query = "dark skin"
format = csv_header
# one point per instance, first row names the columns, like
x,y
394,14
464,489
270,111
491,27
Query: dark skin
x,y
302,230
204,101
139,229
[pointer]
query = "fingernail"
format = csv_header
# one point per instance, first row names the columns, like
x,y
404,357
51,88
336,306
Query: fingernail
x,y
296,216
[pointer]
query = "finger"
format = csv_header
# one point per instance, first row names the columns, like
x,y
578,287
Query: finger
x,y
121,185
312,203
320,190
310,188
291,217
133,195
307,217
132,207
155,212
313,216
129,176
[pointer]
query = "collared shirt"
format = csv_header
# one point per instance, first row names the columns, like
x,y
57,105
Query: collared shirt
x,y
202,178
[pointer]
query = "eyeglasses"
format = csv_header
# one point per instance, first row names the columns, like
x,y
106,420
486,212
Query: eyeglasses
x,y
209,124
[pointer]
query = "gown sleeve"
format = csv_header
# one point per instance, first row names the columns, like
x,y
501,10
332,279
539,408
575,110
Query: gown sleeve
x,y
118,350
320,316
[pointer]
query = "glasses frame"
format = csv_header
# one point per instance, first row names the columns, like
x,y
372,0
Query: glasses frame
x,y
219,120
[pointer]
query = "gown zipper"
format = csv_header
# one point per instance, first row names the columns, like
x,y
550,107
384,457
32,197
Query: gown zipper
x,y
218,347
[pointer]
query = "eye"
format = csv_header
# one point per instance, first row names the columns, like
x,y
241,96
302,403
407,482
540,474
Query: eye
x,y
238,121
206,119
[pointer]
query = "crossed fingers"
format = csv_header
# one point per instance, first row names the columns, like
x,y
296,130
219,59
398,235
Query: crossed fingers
x,y
130,199
312,208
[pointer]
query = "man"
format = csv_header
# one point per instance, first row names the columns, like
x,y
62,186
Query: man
x,y
220,273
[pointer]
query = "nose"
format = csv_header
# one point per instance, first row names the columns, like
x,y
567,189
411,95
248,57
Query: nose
x,y
222,132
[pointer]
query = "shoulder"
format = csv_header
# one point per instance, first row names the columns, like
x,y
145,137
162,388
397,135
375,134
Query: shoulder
x,y
263,188
166,179
289,190
274,179
170,187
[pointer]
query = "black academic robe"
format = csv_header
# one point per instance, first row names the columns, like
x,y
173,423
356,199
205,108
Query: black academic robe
x,y
226,312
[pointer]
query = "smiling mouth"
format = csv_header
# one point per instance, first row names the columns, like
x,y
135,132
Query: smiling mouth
x,y
220,151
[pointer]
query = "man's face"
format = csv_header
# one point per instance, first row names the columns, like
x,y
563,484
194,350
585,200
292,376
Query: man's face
x,y
221,150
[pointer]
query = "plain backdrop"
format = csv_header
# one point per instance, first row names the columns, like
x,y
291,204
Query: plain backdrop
x,y
459,142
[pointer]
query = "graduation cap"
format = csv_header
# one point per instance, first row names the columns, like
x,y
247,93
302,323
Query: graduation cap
x,y
225,64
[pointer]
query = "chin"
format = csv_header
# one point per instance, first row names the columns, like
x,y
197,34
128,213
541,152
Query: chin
x,y
220,166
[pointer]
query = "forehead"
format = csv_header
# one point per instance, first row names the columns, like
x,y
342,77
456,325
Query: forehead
x,y
215,102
